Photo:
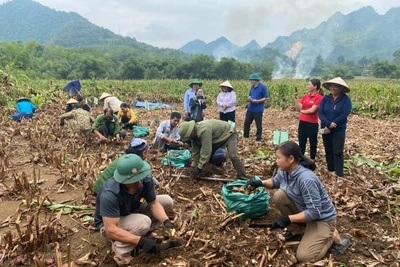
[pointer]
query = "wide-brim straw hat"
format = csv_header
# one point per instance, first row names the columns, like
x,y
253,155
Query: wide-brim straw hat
x,y
72,101
226,84
104,95
338,81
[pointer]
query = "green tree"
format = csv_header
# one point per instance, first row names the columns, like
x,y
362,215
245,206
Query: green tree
x,y
132,69
383,69
396,56
319,66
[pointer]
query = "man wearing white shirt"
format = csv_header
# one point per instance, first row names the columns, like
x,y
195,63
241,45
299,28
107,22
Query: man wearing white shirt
x,y
167,136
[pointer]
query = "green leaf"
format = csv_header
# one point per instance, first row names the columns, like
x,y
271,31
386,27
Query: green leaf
x,y
195,213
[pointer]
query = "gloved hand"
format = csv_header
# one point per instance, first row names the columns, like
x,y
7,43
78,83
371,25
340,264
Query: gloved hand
x,y
149,245
196,173
281,222
168,224
254,183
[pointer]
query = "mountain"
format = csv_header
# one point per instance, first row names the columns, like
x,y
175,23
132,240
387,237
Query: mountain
x,y
25,20
361,33
253,45
219,48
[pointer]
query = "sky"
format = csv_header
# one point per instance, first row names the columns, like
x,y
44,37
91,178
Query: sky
x,y
173,23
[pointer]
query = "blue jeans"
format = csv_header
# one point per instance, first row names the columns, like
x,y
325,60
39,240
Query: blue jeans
x,y
19,116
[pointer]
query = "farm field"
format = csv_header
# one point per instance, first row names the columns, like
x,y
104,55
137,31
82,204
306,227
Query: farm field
x,y
42,165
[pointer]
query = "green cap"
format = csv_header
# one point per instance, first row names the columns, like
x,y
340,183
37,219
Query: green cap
x,y
195,81
185,129
131,169
255,77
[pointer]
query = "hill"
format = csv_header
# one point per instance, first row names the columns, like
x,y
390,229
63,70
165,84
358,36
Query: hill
x,y
25,20
360,33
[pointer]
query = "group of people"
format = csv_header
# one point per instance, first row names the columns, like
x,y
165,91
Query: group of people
x,y
127,206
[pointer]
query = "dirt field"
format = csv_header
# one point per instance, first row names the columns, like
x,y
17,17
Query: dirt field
x,y
39,160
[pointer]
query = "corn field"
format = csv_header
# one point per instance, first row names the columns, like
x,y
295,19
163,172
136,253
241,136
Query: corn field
x,y
374,98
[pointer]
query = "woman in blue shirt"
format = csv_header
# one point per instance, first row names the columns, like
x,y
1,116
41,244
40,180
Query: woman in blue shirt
x,y
25,109
333,112
302,200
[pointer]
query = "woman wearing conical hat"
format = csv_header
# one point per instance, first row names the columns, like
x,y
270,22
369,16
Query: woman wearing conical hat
x,y
333,112
226,101
70,104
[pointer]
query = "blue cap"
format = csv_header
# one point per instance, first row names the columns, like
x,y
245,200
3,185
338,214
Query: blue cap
x,y
138,142
219,153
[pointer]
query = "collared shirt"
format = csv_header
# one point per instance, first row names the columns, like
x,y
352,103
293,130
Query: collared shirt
x,y
186,101
308,101
164,129
227,98
114,128
114,200
257,93
307,193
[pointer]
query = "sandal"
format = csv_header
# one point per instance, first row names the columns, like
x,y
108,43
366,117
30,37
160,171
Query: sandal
x,y
287,236
339,249
121,260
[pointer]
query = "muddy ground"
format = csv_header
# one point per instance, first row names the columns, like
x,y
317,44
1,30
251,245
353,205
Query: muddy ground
x,y
40,159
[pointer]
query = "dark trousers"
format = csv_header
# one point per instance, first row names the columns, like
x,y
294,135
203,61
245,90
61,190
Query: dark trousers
x,y
106,132
229,116
334,146
308,130
250,116
125,123
20,116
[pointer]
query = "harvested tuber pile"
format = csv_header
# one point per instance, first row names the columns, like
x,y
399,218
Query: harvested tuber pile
x,y
247,191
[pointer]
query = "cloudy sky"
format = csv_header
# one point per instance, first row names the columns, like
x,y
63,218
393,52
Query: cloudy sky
x,y
173,23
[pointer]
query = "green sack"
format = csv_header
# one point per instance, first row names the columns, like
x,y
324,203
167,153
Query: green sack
x,y
253,206
177,158
139,131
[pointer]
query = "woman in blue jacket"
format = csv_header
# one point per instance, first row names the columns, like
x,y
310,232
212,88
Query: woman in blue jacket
x,y
25,109
333,112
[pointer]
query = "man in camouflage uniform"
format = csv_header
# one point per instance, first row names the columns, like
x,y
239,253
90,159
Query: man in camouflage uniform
x,y
78,120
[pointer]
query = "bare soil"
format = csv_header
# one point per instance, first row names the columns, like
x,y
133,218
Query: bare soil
x,y
62,166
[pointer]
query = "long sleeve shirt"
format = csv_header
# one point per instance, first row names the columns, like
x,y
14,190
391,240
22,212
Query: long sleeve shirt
x,y
307,193
226,98
131,115
335,111
25,106
196,109
113,103
164,129
209,133
186,101
114,125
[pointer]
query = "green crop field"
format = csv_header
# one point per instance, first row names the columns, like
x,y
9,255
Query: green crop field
x,y
376,98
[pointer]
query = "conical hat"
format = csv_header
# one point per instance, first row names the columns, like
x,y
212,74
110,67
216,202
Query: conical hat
x,y
226,84
338,81
72,101
104,95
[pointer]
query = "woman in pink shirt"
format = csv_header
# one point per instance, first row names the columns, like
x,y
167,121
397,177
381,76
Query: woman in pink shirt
x,y
308,107
226,102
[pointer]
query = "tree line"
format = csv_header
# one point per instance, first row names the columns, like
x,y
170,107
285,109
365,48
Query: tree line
x,y
38,61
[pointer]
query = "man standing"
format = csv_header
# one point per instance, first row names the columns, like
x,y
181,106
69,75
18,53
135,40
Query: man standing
x,y
107,125
207,136
126,205
167,136
191,93
257,96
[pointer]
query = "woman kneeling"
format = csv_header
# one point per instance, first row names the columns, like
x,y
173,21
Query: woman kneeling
x,y
302,201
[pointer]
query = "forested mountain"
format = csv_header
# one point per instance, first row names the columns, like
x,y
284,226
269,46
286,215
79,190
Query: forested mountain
x,y
360,33
23,20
